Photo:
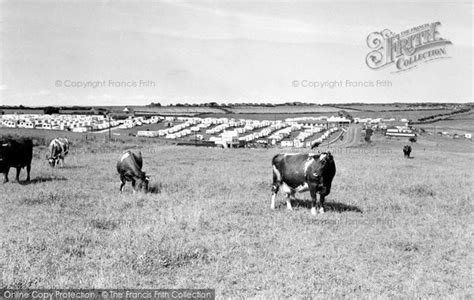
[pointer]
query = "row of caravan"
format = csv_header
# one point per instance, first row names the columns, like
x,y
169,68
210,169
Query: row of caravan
x,y
299,143
264,132
56,122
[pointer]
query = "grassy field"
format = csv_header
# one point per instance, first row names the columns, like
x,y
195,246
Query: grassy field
x,y
459,123
391,107
283,109
402,114
393,226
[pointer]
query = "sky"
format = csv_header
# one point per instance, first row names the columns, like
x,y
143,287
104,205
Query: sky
x,y
137,52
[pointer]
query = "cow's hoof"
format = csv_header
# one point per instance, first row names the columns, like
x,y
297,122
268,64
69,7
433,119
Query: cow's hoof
x,y
313,211
272,207
321,210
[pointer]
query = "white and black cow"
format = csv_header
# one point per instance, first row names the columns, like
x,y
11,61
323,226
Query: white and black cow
x,y
300,172
16,153
129,167
58,149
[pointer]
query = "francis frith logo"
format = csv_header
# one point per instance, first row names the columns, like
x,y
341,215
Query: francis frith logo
x,y
407,49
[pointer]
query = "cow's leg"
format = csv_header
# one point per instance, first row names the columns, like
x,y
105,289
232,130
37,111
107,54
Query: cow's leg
x,y
275,185
288,192
275,188
28,169
122,180
290,196
314,198
321,204
133,185
5,180
288,201
18,169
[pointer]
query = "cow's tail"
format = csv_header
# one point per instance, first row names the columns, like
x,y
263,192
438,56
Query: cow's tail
x,y
276,174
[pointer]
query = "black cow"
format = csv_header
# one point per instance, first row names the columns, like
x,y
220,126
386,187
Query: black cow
x,y
16,153
407,151
299,172
130,169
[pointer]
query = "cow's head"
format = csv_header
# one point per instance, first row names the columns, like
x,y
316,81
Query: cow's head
x,y
322,163
142,183
52,161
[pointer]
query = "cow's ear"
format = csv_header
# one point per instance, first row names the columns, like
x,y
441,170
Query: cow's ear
x,y
326,156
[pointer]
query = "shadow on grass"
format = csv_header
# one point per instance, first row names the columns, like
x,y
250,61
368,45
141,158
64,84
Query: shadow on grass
x,y
155,188
73,167
328,206
41,179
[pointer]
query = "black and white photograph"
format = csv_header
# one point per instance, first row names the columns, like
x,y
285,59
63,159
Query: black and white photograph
x,y
235,149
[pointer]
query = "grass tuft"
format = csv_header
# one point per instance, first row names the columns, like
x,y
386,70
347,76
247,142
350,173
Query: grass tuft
x,y
41,198
418,191
104,224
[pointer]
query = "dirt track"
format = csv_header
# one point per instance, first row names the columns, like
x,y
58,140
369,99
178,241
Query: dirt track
x,y
351,136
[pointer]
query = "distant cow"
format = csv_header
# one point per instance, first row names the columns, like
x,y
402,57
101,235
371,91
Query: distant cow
x,y
16,153
58,149
299,172
130,169
407,151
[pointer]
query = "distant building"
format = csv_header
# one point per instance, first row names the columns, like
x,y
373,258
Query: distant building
x,y
400,131
127,110
338,121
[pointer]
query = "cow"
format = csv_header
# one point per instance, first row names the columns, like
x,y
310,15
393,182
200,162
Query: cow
x,y
58,149
129,167
300,172
406,151
16,153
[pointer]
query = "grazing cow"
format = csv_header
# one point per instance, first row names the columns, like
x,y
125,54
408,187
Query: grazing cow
x,y
299,172
58,149
407,151
16,153
130,169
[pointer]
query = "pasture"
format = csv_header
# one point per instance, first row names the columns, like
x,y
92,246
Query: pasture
x,y
393,226
458,123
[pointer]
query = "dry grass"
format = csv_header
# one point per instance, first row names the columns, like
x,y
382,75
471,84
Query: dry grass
x,y
394,226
